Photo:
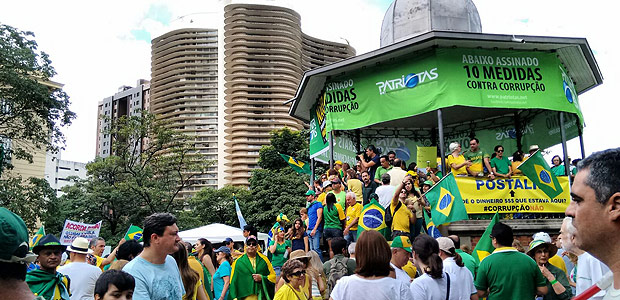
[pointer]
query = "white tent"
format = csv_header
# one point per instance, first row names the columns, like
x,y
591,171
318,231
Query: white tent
x,y
216,233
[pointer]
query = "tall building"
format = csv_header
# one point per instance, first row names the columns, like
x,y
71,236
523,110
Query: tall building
x,y
184,91
58,172
266,54
128,101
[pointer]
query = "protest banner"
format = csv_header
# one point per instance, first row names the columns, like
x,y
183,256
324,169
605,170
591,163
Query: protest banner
x,y
517,194
73,230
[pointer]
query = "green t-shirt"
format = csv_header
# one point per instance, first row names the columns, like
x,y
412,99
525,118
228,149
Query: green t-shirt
x,y
558,170
341,198
501,165
380,171
476,159
509,274
277,258
469,261
332,218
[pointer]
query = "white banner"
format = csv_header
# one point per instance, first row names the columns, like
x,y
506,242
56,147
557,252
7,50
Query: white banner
x,y
73,230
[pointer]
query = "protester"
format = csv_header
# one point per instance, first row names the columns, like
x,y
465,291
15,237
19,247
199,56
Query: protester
x,y
517,160
401,253
401,216
508,273
192,284
352,216
315,222
468,260
83,275
369,187
355,185
338,167
157,274
383,168
555,260
303,215
385,191
298,236
500,164
228,242
557,281
114,285
595,210
46,281
206,256
305,259
533,149
351,249
14,257
327,188
97,245
252,276
249,230
557,168
456,160
373,163
433,284
221,278
461,279
333,214
193,263
371,279
294,273
279,248
339,265
396,173
125,253
479,159
416,204
339,192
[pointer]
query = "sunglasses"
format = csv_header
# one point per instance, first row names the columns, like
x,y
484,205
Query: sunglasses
x,y
500,150
252,244
299,273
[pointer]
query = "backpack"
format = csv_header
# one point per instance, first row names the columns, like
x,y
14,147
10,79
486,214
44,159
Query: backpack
x,y
389,215
337,270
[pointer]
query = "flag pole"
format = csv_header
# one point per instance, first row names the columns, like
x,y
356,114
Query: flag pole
x,y
127,233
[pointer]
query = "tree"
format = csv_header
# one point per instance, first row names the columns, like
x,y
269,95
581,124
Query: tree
x,y
33,109
32,200
285,141
211,205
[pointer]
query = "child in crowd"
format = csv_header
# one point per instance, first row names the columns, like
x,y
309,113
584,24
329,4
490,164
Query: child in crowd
x,y
114,284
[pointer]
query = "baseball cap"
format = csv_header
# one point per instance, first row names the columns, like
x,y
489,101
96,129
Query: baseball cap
x,y
402,242
79,245
445,244
14,239
48,241
338,162
326,183
428,182
310,193
222,249
228,240
251,237
543,236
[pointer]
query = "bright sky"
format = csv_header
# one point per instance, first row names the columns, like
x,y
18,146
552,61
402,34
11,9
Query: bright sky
x,y
97,47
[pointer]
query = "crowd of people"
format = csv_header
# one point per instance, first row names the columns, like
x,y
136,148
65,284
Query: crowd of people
x,y
408,264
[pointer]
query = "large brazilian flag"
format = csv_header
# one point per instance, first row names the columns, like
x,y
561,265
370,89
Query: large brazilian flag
x,y
484,247
537,170
446,202
134,233
372,217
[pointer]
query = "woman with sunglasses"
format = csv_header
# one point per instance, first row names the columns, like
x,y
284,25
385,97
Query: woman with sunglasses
x,y
279,247
500,164
252,276
294,274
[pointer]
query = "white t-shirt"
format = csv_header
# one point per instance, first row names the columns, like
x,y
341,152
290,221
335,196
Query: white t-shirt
x,y
354,287
426,287
461,280
401,275
83,277
396,176
589,271
385,193
154,281
611,293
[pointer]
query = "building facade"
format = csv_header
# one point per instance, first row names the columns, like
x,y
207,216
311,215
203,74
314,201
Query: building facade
x,y
58,172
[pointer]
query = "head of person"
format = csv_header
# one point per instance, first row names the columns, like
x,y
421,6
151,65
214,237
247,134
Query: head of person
x,y
474,144
426,185
401,250
15,253
391,156
576,161
350,198
251,245
114,285
250,230
413,166
541,251
294,272
204,245
338,165
567,234
366,177
280,231
323,178
228,242
78,249
384,160
301,256
371,151
455,148
350,174
129,250
222,254
303,213
595,205
97,245
426,251
517,245
351,249
533,149
402,195
161,232
50,252
501,234
456,240
327,186
310,194
385,179
336,184
499,151
372,254
397,162
518,155
345,167
339,245
556,160
448,249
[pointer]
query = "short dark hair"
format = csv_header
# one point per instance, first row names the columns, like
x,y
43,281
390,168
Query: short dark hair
x,y
554,158
385,178
497,148
373,149
93,241
251,229
456,240
156,223
129,248
123,281
397,162
13,271
475,139
502,233
412,166
338,245
385,157
289,266
604,176
391,152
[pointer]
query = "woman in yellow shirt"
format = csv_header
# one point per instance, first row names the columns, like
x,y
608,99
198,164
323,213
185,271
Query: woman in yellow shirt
x,y
294,273
456,160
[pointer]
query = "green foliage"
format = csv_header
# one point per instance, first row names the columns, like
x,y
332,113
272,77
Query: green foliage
x,y
32,110
215,206
32,199
285,141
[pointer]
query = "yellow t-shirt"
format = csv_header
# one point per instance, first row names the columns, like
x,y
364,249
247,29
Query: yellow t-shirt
x,y
457,160
410,269
196,266
321,198
516,171
401,219
355,185
352,213
558,262
287,292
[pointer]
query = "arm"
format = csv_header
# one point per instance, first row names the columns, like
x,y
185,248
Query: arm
x,y
353,223
482,294
473,297
206,261
561,286
272,248
397,191
487,163
226,285
366,164
200,293
280,283
541,290
319,218
108,260
306,245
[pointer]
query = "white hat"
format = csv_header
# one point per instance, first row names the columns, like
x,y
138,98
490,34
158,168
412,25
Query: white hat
x,y
79,245
533,147
326,183
445,244
542,236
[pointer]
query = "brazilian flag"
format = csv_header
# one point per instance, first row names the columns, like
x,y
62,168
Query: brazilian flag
x,y
484,247
37,237
297,165
446,202
431,229
537,170
372,217
134,233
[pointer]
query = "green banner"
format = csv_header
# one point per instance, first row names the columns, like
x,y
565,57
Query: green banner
x,y
442,78
318,136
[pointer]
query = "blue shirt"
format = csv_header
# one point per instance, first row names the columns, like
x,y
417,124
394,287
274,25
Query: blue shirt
x,y
156,281
218,281
312,215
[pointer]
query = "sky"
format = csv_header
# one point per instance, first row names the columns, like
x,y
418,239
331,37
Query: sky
x,y
96,47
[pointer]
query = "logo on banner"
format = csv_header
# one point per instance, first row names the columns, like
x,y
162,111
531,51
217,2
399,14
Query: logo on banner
x,y
544,176
408,81
444,205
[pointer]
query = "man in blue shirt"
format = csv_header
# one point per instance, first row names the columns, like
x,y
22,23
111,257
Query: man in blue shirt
x,y
315,222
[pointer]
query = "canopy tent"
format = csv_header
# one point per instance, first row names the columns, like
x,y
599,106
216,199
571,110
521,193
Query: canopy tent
x,y
216,233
